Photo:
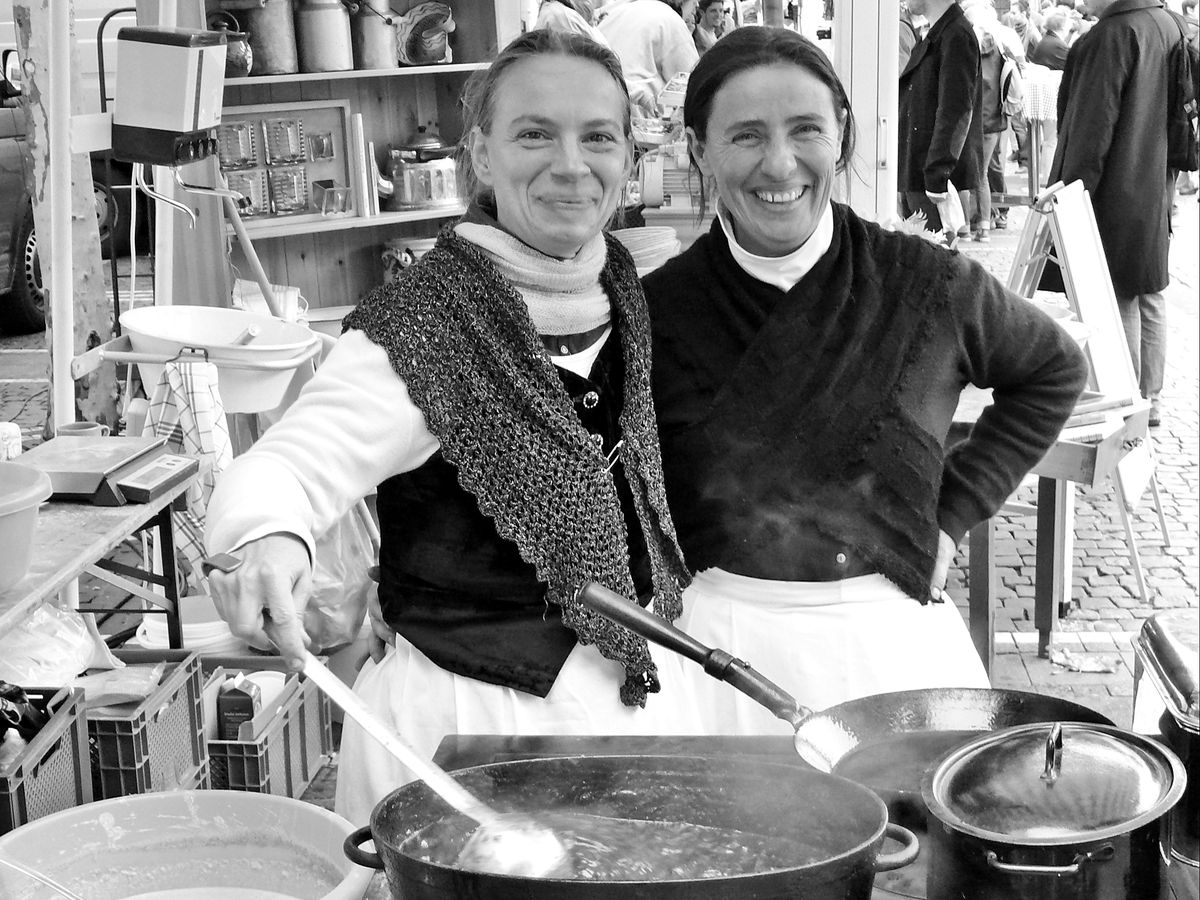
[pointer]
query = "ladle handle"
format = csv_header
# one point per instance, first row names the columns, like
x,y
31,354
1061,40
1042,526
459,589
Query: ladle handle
x,y
437,779
717,663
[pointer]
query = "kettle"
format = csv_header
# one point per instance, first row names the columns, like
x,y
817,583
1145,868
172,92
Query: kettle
x,y
239,57
424,173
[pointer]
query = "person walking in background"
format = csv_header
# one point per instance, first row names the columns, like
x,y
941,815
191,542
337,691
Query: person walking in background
x,y
1051,50
1112,135
994,122
941,100
569,15
710,25
653,44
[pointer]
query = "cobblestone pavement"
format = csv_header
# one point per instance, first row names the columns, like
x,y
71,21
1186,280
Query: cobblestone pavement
x,y
1106,610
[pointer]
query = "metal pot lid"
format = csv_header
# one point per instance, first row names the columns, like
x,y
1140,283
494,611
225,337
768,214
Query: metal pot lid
x,y
423,139
1054,783
1168,647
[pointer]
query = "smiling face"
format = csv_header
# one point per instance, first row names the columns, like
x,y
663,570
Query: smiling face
x,y
772,145
712,16
555,156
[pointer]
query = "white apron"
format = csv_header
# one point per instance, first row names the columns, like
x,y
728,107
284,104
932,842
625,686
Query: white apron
x,y
822,642
424,703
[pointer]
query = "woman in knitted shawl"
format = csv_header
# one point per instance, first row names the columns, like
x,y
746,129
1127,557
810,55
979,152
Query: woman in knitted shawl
x,y
807,365
498,393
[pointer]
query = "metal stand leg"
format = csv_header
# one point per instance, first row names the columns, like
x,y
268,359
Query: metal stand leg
x,y
166,557
1055,546
982,592
1131,541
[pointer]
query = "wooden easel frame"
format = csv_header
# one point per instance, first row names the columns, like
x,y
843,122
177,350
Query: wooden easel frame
x,y
1062,227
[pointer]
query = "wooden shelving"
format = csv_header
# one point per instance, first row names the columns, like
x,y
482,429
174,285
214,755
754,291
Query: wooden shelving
x,y
335,260
352,74
283,227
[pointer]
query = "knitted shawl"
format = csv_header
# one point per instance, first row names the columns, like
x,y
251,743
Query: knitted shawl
x,y
462,339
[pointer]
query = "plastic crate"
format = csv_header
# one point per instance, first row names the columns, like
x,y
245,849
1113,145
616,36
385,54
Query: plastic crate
x,y
51,774
159,743
293,739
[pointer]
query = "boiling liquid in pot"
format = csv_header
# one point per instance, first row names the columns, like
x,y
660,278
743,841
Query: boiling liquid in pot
x,y
610,849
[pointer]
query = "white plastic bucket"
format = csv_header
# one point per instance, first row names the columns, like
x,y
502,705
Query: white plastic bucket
x,y
203,629
246,384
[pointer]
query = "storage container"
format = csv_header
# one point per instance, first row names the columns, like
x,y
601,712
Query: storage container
x,y
157,744
272,34
52,773
323,36
288,742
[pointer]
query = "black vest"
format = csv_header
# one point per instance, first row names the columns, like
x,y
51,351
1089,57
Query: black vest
x,y
461,594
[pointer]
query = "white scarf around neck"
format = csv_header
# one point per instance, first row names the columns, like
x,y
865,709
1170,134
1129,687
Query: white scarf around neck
x,y
784,272
564,296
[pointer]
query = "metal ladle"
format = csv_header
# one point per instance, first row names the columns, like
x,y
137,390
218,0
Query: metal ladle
x,y
503,844
718,663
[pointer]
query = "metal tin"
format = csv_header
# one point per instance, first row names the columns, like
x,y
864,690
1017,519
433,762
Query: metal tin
x,y
1167,652
1168,648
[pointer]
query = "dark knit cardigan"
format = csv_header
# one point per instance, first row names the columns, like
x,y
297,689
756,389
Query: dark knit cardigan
x,y
461,338
803,434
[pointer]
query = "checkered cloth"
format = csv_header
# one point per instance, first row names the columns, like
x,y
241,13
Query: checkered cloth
x,y
186,409
1041,92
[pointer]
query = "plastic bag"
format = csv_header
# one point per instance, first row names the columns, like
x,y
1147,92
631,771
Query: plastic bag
x,y
337,606
50,647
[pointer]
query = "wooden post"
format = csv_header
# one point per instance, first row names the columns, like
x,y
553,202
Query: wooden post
x,y
89,319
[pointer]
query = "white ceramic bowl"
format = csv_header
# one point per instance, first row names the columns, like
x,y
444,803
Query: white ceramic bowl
x,y
166,330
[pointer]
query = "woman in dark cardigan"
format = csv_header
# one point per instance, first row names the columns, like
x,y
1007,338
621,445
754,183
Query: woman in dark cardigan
x,y
807,365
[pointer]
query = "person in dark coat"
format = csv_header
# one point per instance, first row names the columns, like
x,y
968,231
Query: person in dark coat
x,y
941,102
1051,51
1112,135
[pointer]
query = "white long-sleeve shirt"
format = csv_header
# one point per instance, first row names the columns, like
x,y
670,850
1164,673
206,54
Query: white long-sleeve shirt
x,y
353,426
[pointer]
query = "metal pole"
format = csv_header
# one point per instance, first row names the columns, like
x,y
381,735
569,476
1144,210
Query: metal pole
x,y
58,189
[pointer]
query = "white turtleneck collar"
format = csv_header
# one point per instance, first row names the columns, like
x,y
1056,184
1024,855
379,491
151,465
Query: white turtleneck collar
x,y
781,271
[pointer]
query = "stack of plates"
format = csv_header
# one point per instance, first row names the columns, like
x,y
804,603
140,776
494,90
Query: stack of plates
x,y
650,246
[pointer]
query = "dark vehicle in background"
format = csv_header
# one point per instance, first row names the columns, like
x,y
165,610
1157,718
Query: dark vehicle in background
x,y
22,298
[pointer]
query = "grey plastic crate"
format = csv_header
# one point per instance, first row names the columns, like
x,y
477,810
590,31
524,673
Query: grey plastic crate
x,y
52,773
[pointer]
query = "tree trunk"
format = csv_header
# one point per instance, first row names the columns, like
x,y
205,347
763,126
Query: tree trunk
x,y
95,394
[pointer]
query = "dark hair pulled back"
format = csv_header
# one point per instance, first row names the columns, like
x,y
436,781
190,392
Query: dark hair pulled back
x,y
748,48
479,95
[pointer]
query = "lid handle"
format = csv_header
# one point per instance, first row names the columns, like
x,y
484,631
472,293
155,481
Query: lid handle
x,y
1054,749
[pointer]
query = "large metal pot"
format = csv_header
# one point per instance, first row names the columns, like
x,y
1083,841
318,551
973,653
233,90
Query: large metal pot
x,y
1059,811
841,824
